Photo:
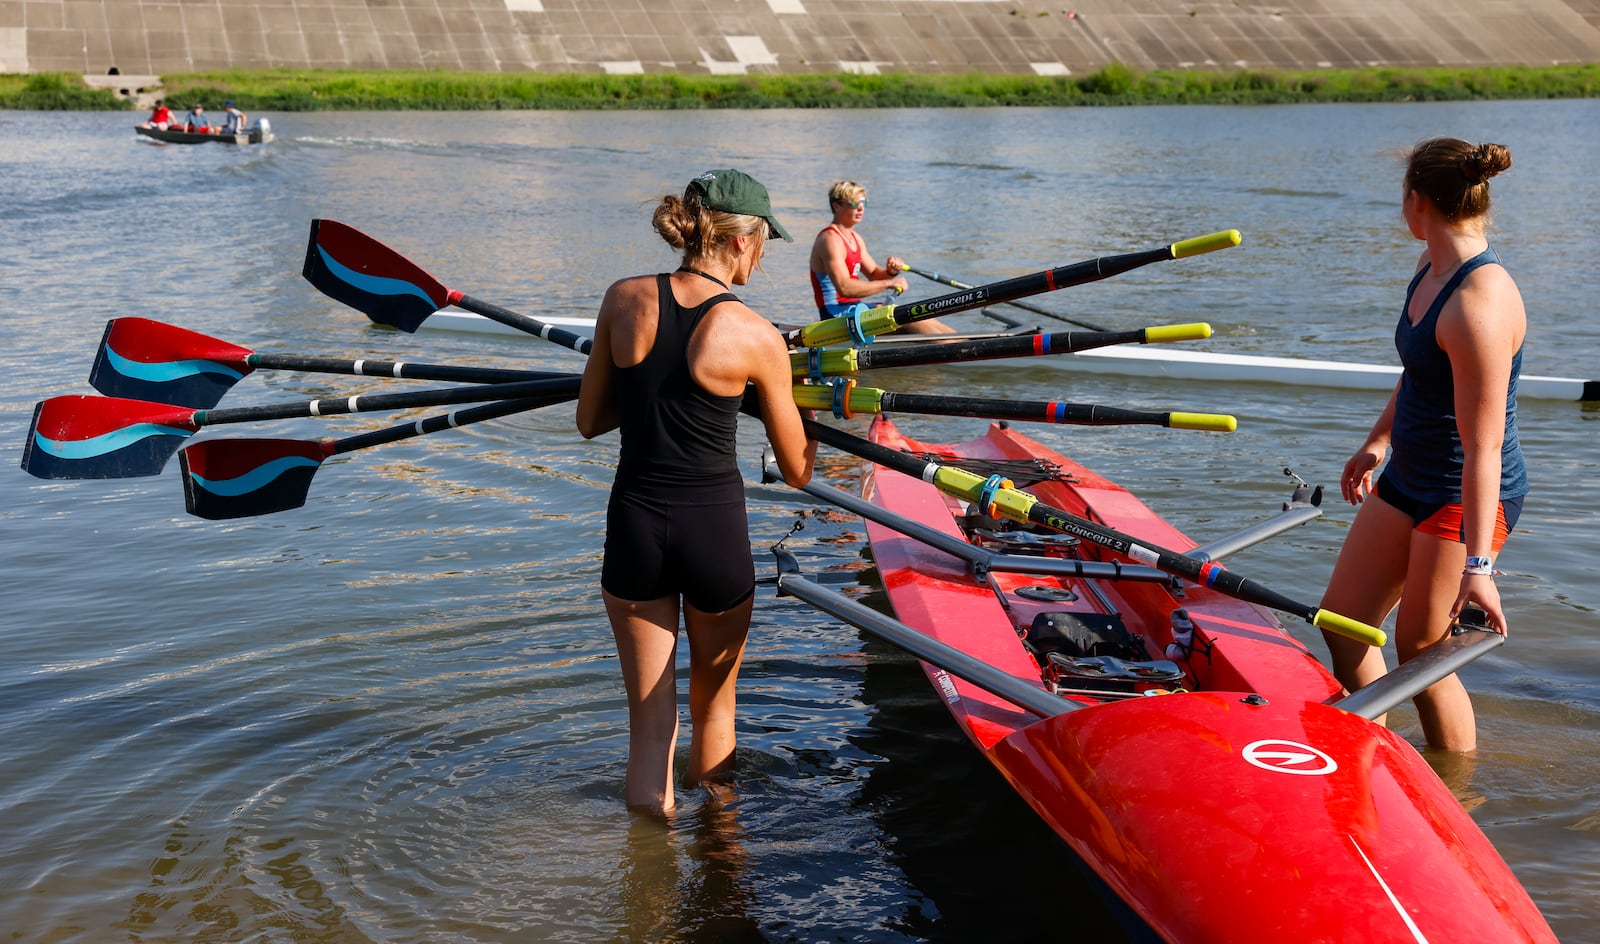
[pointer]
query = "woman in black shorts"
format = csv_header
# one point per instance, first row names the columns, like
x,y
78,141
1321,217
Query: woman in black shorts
x,y
1425,539
674,355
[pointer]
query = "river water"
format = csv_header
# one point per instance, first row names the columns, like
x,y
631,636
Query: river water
x,y
394,715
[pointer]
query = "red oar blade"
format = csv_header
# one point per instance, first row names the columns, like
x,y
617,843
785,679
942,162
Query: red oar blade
x,y
351,267
240,478
103,437
148,360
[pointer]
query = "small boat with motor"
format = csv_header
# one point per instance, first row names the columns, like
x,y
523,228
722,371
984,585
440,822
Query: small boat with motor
x,y
1200,760
260,132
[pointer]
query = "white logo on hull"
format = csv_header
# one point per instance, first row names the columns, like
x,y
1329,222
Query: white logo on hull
x,y
1289,757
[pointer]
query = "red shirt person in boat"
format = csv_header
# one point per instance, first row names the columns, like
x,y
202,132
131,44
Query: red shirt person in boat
x,y
1425,537
160,117
843,271
673,357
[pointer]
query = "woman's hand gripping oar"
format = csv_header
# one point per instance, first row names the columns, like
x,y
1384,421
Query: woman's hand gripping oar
x,y
141,359
238,478
349,266
947,280
996,497
78,437
863,326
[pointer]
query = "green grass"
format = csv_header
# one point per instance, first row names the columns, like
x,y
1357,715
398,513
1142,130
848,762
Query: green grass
x,y
283,90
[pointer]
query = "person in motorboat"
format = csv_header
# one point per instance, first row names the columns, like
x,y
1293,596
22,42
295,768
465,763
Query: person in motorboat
x,y
197,120
1425,536
160,116
673,357
236,121
843,271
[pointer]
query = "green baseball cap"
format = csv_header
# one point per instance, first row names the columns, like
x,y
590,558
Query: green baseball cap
x,y
733,191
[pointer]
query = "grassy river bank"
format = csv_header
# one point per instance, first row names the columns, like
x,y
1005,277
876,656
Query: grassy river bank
x,y
286,90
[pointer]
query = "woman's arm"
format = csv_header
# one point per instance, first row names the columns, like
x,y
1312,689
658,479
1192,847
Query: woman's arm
x,y
597,401
774,384
1481,335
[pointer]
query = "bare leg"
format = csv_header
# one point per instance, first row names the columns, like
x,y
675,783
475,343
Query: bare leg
x,y
1366,585
647,645
716,649
1432,581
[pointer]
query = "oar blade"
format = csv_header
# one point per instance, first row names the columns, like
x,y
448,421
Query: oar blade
x,y
79,437
147,360
349,266
240,478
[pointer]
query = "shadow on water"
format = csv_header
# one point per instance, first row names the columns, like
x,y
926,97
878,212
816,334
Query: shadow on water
x,y
991,870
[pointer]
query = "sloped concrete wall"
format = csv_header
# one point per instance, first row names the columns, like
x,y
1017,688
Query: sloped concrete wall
x,y
776,36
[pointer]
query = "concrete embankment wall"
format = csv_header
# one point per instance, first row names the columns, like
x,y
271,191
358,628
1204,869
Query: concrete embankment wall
x,y
151,37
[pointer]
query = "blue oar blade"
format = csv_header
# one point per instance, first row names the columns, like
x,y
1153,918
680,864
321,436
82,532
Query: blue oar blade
x,y
240,478
70,441
351,267
143,359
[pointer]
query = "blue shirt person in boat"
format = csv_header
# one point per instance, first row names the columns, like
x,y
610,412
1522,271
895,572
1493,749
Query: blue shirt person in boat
x,y
197,120
843,271
1424,540
236,120
674,356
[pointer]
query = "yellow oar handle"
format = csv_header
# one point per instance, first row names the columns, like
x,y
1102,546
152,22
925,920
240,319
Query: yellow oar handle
x,y
1353,629
830,363
874,321
821,397
1216,422
1197,331
1210,243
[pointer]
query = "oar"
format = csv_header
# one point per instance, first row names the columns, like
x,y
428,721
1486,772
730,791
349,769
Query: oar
x,y
947,280
868,324
143,359
349,266
818,363
77,437
845,400
238,478
996,497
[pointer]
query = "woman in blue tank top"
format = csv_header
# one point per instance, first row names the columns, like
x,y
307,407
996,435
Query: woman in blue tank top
x,y
1424,539
674,357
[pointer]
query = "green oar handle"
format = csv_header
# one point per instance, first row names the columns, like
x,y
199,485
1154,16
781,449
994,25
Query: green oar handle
x,y
836,362
560,385
953,283
888,317
1021,506
873,400
398,369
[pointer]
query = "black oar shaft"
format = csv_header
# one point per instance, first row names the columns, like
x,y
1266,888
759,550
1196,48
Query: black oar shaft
x,y
565,384
1037,411
397,369
949,352
434,424
567,339
953,283
877,321
1204,573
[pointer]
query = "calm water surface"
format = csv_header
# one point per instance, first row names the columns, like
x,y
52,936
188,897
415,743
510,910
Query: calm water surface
x,y
394,715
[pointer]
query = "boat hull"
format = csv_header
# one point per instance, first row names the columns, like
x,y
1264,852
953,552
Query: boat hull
x,y
255,135
1244,808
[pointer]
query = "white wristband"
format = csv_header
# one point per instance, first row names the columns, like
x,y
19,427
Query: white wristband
x,y
1479,565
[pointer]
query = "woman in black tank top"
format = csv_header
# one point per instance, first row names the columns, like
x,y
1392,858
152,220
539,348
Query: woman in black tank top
x,y
675,357
1422,544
